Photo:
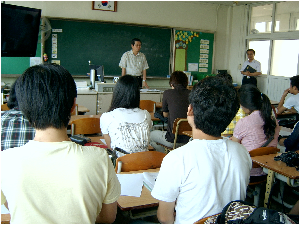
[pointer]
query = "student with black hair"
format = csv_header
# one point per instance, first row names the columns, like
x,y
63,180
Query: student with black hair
x,y
259,127
52,179
198,179
125,125
134,63
292,103
15,128
174,105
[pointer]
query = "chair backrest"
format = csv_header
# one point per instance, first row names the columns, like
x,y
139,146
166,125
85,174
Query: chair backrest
x,y
75,112
140,161
180,125
85,126
148,105
4,107
262,151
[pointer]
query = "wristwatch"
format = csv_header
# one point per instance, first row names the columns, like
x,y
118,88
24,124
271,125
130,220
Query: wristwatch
x,y
144,80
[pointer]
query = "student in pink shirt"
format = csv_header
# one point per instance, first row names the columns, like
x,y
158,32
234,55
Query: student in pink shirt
x,y
254,130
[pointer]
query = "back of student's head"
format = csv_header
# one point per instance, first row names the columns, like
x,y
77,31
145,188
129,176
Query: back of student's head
x,y
46,95
295,81
126,93
214,105
227,78
252,99
178,78
12,101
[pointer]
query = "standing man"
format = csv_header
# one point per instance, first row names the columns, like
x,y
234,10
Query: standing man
x,y
250,69
134,63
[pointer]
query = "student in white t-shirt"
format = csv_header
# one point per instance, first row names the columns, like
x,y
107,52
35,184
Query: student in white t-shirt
x,y
292,103
125,125
198,179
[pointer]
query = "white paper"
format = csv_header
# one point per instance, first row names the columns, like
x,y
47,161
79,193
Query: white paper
x,y
131,184
149,179
193,66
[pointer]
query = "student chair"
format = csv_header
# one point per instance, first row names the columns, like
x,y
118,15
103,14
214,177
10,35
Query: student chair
x,y
179,125
139,161
85,126
4,107
261,179
75,112
148,105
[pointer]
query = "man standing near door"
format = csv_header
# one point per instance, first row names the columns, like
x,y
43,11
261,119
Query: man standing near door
x,y
250,69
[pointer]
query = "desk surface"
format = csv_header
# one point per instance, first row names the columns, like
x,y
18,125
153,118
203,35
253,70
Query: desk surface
x,y
82,109
280,167
146,200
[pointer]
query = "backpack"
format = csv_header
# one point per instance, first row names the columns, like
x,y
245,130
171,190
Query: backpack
x,y
242,212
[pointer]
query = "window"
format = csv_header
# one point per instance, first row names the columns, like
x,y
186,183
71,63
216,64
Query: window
x,y
287,15
275,39
261,49
285,58
261,19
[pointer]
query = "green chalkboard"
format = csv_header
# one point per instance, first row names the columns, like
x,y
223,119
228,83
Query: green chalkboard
x,y
17,65
105,43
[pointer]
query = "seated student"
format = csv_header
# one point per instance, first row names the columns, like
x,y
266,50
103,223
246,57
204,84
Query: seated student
x,y
125,125
15,128
293,101
239,115
51,179
198,179
259,128
291,142
174,105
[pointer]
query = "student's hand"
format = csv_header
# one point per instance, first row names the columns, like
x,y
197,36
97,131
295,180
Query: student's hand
x,y
286,91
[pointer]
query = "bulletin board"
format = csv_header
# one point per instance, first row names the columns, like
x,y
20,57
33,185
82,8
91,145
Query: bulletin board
x,y
194,52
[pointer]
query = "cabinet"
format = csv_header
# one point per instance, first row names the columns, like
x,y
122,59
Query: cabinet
x,y
88,99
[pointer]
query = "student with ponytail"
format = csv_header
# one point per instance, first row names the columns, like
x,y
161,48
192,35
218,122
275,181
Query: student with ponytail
x,y
254,130
259,128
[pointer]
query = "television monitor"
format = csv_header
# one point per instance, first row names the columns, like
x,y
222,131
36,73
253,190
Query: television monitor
x,y
100,73
19,30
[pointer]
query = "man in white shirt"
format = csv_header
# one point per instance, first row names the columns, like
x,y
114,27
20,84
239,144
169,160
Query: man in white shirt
x,y
198,179
250,69
292,103
134,63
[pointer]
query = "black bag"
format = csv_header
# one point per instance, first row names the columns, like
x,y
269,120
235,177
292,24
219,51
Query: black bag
x,y
243,212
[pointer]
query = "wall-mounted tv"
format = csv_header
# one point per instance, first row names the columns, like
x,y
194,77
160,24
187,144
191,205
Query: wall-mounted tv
x,y
19,30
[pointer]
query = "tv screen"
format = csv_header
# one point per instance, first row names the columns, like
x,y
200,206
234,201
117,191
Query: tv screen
x,y
19,30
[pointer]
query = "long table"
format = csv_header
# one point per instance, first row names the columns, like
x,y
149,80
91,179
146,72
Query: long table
x,y
276,169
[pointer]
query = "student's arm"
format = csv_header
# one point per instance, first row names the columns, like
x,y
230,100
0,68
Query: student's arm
x,y
108,213
165,114
144,78
123,71
166,212
107,140
280,107
235,139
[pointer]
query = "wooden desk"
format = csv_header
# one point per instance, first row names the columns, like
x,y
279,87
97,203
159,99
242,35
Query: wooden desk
x,y
188,133
75,117
158,104
5,218
275,103
82,109
275,167
145,201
